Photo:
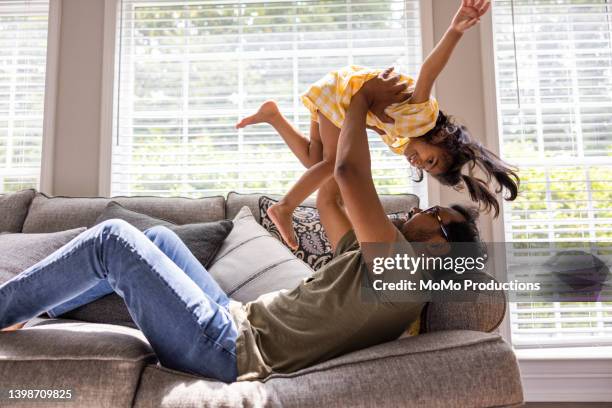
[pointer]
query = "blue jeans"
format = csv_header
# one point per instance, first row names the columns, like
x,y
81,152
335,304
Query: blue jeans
x,y
178,306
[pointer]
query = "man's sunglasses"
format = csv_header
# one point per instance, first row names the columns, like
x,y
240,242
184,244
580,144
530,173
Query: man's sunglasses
x,y
435,211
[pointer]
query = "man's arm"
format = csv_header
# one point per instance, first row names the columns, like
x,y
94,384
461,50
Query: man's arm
x,y
468,14
353,167
333,216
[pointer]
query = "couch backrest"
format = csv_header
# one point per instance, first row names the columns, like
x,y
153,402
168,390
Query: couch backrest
x,y
51,214
392,203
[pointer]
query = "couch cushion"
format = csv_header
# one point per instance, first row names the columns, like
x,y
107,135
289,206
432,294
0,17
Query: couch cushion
x,y
20,251
251,262
392,203
314,247
14,208
50,214
484,312
101,364
203,239
163,388
444,369
436,370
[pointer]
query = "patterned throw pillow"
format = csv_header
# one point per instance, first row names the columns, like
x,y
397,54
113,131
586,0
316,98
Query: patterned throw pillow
x,y
313,246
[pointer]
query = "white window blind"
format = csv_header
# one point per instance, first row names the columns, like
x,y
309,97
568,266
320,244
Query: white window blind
x,y
554,86
188,70
23,51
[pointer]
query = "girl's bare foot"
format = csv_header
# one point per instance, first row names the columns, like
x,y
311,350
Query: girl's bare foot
x,y
14,327
282,216
266,112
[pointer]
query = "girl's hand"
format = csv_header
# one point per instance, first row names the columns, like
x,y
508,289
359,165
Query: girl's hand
x,y
382,91
469,14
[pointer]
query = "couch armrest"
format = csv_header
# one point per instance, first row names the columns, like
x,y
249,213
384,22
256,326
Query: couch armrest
x,y
101,364
484,312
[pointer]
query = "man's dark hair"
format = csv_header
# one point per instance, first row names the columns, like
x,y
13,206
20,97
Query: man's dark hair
x,y
465,231
464,236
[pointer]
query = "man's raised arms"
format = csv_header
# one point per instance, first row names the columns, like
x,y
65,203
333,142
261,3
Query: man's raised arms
x,y
353,171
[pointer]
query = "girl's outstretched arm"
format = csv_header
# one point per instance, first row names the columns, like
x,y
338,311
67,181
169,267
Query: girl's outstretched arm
x,y
468,15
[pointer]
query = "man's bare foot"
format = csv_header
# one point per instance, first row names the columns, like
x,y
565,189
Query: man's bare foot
x,y
14,327
266,112
282,216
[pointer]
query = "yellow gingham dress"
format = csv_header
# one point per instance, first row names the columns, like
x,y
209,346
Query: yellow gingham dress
x,y
331,95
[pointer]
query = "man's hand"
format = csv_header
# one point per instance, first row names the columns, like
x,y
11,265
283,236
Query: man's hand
x,y
469,14
382,91
353,171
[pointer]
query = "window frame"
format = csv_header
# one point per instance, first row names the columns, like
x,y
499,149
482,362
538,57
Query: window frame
x,y
580,374
50,102
109,87
45,177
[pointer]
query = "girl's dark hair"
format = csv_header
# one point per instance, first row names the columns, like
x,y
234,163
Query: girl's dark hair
x,y
462,149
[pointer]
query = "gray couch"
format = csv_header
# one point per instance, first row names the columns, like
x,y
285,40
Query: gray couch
x,y
457,361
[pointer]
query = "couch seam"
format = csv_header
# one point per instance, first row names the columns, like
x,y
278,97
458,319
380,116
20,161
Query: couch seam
x,y
257,275
133,360
182,373
350,363
124,196
137,384
229,251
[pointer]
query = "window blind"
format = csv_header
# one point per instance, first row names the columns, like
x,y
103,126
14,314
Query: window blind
x,y
188,70
23,51
554,85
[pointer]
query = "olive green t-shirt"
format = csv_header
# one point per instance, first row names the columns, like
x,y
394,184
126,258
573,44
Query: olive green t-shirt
x,y
323,317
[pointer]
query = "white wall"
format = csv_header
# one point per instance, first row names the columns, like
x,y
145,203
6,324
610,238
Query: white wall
x,y
76,165
77,120
460,91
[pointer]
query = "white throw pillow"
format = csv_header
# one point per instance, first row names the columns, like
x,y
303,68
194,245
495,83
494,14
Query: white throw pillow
x,y
251,262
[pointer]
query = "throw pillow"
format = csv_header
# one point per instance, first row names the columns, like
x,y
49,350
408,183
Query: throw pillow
x,y
203,239
251,262
20,251
14,209
313,246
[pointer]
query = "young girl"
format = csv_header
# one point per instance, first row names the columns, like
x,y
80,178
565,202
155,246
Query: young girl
x,y
415,128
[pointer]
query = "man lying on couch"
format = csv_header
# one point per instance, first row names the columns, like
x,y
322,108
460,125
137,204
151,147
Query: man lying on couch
x,y
190,322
